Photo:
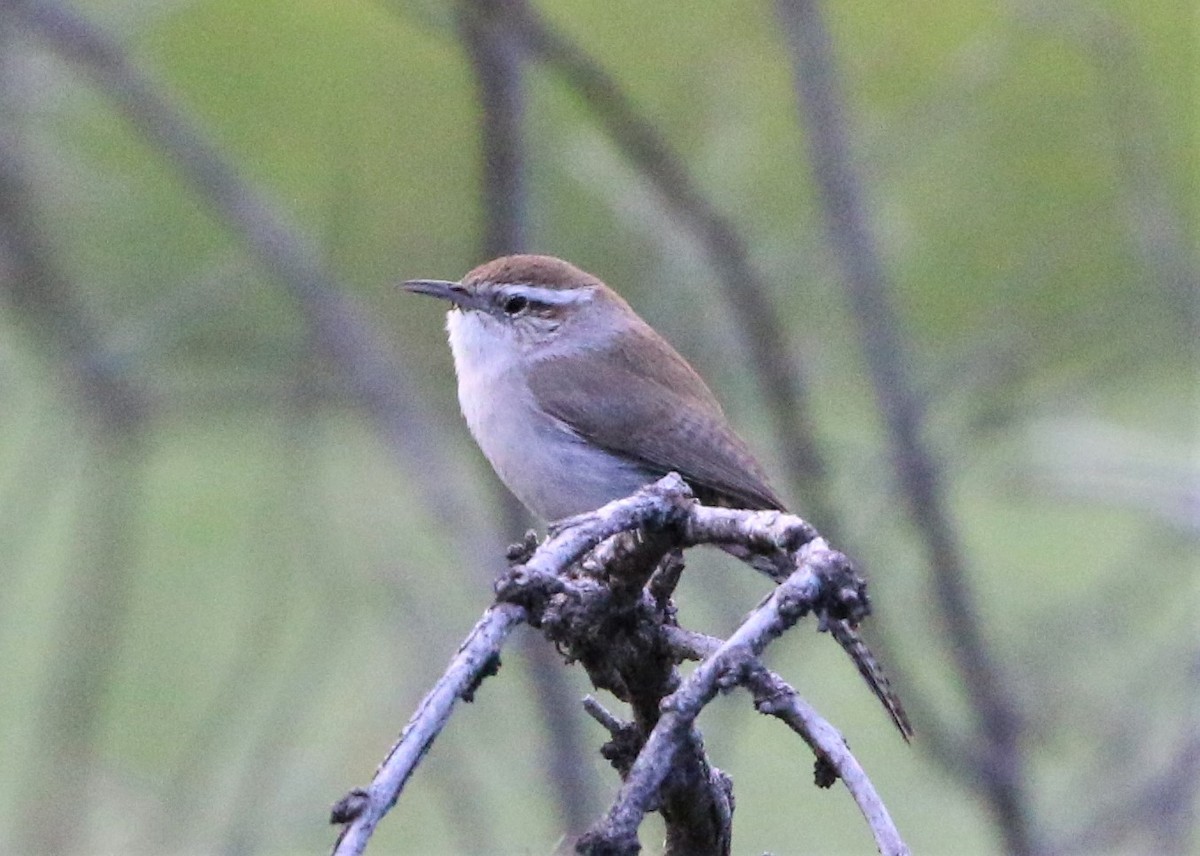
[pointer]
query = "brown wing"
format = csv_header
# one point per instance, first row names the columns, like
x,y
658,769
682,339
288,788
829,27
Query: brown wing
x,y
636,409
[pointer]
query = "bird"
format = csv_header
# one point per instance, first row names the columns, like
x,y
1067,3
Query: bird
x,y
576,401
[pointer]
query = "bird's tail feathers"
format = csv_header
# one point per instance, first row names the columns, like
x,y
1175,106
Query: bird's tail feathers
x,y
853,644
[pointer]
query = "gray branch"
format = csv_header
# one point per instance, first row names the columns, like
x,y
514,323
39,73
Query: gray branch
x,y
773,696
803,592
477,658
579,586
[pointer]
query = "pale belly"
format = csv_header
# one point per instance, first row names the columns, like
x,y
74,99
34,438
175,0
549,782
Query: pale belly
x,y
549,468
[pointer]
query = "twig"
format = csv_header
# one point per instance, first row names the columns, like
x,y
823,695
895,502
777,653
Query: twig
x,y
534,581
605,618
656,506
478,658
531,582
774,532
818,569
773,696
822,107
601,714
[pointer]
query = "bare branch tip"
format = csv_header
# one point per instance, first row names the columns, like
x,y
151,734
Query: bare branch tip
x,y
825,774
602,715
523,550
349,807
489,669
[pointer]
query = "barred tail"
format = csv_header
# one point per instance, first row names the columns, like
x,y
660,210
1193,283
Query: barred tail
x,y
854,645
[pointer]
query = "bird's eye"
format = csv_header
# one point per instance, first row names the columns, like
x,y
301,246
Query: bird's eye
x,y
515,304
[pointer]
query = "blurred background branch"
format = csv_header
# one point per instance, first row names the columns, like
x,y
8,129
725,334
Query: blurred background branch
x,y
498,62
994,761
93,604
359,351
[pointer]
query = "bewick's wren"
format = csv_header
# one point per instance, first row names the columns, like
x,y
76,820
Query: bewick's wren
x,y
576,401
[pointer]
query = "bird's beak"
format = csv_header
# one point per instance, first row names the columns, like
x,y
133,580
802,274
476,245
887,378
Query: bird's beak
x,y
454,292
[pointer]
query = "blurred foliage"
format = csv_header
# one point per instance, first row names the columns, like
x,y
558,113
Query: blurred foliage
x,y
286,597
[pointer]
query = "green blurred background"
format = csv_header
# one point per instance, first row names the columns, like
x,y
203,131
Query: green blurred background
x,y
219,606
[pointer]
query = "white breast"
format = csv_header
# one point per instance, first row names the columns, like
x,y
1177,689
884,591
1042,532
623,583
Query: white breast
x,y
489,385
552,470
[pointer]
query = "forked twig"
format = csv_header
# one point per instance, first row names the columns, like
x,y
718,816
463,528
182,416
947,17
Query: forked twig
x,y
734,662
773,696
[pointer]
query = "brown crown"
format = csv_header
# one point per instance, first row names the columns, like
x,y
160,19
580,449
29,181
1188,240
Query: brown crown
x,y
545,271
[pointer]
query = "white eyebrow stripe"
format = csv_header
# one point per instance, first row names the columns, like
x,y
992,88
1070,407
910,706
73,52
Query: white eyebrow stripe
x,y
549,296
